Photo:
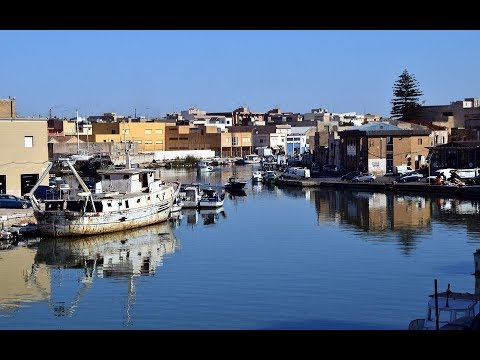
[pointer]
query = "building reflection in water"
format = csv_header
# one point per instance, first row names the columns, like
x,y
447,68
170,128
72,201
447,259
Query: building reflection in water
x,y
21,279
376,214
407,216
123,255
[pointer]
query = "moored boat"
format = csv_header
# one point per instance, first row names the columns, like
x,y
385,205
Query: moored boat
x,y
204,166
191,196
448,310
212,198
252,159
257,176
122,199
270,177
234,183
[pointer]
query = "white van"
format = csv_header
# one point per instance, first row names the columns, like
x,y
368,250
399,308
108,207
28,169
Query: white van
x,y
401,169
465,174
297,173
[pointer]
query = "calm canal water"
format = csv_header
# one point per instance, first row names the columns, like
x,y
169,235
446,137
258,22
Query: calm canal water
x,y
272,259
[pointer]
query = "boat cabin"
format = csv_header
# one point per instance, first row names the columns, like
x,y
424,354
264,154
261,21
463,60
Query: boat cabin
x,y
448,312
454,309
126,180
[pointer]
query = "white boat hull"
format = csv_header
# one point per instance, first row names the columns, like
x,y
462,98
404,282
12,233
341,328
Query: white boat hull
x,y
210,204
73,223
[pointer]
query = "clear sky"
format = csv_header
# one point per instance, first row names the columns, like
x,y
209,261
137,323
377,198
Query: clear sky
x,y
160,71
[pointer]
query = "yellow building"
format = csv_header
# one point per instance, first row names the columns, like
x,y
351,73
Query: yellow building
x,y
209,137
149,136
23,153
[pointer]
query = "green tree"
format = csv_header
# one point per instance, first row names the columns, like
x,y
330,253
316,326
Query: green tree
x,y
406,92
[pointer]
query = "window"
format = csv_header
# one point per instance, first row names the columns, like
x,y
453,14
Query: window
x,y
246,140
158,141
126,131
261,141
228,140
28,141
148,131
138,141
234,141
419,141
158,131
148,142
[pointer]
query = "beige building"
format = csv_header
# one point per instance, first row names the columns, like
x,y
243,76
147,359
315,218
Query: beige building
x,y
8,108
24,153
379,147
148,136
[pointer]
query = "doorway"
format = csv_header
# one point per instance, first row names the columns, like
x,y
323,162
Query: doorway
x,y
3,184
27,182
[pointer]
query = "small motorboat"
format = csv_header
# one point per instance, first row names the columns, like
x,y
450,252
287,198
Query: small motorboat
x,y
211,198
448,311
234,184
257,176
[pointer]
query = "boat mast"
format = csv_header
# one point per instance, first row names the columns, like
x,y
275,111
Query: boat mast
x,y
88,145
127,148
78,135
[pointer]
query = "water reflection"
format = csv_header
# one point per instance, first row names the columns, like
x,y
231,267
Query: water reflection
x,y
404,218
408,217
21,279
232,194
208,216
122,255
211,216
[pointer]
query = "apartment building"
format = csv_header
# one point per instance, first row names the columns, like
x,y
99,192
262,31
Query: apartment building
x,y
148,136
378,147
24,150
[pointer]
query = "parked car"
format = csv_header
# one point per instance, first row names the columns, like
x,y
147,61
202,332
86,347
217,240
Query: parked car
x,y
351,175
364,177
409,177
44,192
12,201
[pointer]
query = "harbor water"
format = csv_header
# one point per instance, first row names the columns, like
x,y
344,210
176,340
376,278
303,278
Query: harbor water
x,y
270,259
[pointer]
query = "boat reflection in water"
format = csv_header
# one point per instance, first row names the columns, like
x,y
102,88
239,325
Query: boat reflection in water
x,y
209,216
123,254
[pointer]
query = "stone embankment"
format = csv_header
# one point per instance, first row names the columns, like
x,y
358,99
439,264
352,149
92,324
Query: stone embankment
x,y
8,217
385,184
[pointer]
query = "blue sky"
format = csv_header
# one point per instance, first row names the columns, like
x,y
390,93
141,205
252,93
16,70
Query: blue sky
x,y
160,71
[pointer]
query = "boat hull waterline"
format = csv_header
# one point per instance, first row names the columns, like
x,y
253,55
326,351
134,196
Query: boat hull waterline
x,y
75,223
